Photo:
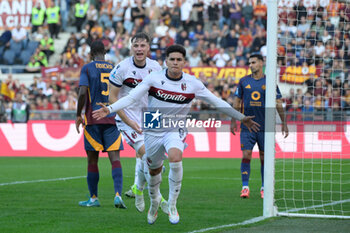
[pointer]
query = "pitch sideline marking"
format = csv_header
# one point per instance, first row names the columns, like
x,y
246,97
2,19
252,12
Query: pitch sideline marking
x,y
78,177
38,181
246,222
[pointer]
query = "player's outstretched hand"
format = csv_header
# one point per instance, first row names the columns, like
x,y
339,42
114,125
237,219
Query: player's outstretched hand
x,y
233,127
135,126
100,113
252,125
78,121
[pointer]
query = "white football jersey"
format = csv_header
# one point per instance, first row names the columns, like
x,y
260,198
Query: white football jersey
x,y
127,76
172,98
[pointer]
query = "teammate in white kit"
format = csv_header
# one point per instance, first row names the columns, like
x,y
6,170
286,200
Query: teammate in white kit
x,y
124,78
171,91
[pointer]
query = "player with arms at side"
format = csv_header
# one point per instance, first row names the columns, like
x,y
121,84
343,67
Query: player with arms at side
x,y
99,135
172,91
251,91
124,78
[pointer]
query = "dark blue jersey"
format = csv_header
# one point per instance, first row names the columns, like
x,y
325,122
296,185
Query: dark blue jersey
x,y
252,93
95,76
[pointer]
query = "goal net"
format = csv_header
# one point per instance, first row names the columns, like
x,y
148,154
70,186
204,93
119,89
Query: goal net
x,y
312,165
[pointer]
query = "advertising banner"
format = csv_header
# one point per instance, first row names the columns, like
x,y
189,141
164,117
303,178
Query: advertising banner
x,y
13,12
60,139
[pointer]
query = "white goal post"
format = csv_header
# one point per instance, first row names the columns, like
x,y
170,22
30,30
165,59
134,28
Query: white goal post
x,y
313,179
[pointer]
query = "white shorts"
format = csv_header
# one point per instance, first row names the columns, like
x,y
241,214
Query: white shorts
x,y
131,137
156,146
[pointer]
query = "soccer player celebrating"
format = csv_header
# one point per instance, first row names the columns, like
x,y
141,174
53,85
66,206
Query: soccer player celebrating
x,y
172,91
252,90
124,78
99,135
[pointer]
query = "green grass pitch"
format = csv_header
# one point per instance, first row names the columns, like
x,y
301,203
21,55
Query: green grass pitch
x,y
209,197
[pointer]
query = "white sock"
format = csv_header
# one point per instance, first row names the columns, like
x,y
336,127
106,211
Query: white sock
x,y
137,168
153,186
146,173
141,179
146,169
175,179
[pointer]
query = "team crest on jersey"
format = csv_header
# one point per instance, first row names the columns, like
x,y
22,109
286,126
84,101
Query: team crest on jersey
x,y
149,71
263,87
162,82
134,135
181,132
183,86
134,72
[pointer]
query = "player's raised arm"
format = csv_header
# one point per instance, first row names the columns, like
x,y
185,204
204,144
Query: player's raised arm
x,y
133,96
224,107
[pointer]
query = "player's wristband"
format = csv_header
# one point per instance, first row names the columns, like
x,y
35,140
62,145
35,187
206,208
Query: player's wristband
x,y
110,109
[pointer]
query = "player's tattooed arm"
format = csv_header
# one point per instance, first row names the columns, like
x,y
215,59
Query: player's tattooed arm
x,y
236,105
280,111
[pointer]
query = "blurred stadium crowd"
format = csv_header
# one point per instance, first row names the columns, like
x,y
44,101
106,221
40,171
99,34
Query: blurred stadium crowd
x,y
311,32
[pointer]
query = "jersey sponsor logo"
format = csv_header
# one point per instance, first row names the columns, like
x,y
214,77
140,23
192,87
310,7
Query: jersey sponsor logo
x,y
169,96
132,82
255,95
183,86
248,86
162,82
134,72
149,71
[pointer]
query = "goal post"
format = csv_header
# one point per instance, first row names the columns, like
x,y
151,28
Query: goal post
x,y
308,51
270,122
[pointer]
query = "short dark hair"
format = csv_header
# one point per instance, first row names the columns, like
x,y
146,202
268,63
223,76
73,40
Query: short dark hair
x,y
258,56
97,48
175,48
141,36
